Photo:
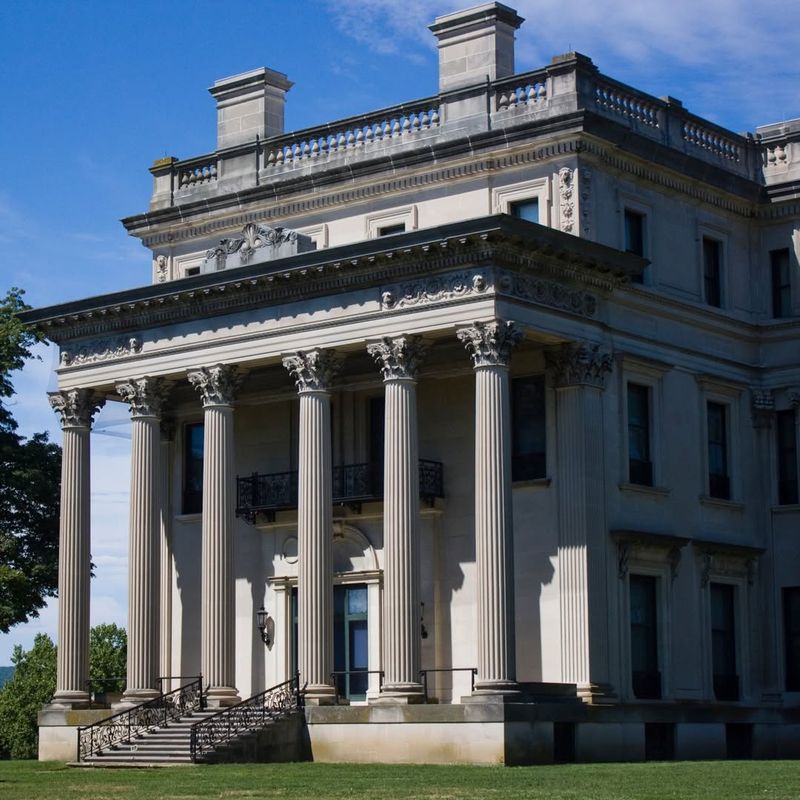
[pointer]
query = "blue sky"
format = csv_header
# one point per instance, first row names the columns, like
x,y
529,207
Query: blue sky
x,y
94,90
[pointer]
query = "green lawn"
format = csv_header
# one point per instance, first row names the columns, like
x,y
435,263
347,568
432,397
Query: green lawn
x,y
31,780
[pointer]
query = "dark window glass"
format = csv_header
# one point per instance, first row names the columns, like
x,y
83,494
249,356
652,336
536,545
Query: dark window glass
x,y
350,640
791,632
193,468
192,271
377,421
723,641
787,457
719,483
712,267
645,677
529,430
781,283
640,467
390,230
526,209
634,236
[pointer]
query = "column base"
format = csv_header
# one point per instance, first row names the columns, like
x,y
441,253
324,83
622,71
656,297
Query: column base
x,y
134,697
222,697
67,698
399,694
319,695
596,693
494,692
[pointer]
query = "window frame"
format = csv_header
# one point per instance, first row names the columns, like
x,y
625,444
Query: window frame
x,y
504,197
516,380
790,415
776,291
736,632
648,427
720,236
658,606
728,395
377,221
791,674
184,451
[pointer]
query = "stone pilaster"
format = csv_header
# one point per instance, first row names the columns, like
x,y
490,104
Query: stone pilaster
x,y
76,408
217,387
490,345
399,359
578,371
313,371
145,396
165,545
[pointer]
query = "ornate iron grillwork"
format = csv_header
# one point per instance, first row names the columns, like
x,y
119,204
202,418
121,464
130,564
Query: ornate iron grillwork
x,y
129,724
249,715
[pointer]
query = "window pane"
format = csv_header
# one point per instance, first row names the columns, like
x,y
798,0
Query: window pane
x,y
718,478
787,457
634,232
781,283
526,209
390,230
357,600
712,258
528,428
723,641
193,468
646,678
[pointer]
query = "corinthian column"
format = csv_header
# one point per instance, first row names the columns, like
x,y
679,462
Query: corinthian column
x,y
145,396
76,408
165,558
490,345
217,386
313,371
578,372
399,359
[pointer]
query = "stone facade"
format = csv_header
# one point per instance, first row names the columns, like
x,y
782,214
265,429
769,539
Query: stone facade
x,y
459,457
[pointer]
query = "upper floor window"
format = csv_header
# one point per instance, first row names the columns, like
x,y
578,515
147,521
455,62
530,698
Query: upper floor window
x,y
712,271
390,230
787,457
781,283
640,465
719,482
525,209
528,451
634,236
791,636
191,271
723,641
193,441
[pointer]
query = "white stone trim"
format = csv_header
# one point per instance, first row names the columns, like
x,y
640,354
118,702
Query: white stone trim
x,y
374,222
539,189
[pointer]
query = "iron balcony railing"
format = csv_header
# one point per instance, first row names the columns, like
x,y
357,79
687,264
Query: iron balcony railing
x,y
352,484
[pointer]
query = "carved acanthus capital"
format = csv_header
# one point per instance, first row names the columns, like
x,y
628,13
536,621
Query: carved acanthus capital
x,y
145,396
490,343
76,407
216,385
763,407
579,364
313,370
398,357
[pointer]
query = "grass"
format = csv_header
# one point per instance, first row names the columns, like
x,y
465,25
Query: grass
x,y
767,780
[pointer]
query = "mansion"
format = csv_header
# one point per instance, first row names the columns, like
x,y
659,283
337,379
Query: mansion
x,y
478,412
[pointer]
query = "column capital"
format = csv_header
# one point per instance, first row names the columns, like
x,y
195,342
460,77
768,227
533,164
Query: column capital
x,y
490,343
762,407
76,407
579,364
216,385
145,396
398,357
313,370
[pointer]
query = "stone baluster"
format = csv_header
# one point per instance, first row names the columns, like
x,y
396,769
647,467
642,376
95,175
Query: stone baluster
x,y
145,396
165,560
217,387
578,372
76,408
313,371
490,345
399,359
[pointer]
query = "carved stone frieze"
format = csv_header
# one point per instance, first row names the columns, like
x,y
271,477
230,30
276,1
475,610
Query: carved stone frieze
x,y
274,242
145,396
490,343
216,385
579,363
313,370
398,357
100,350
728,565
436,289
76,407
763,407
566,199
547,293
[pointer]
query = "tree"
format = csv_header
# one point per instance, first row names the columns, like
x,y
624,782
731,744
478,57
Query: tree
x,y
30,478
108,654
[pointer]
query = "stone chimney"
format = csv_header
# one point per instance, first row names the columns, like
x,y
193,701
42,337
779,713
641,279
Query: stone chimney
x,y
474,44
250,105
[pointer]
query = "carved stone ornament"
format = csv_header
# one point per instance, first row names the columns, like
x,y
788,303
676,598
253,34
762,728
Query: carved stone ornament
x,y
547,293
76,407
101,350
313,370
585,184
398,357
437,289
794,398
763,407
145,396
217,385
254,237
161,268
566,199
577,364
490,343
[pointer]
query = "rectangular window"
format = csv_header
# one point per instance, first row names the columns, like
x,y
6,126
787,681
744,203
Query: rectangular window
x,y
634,237
719,482
787,457
645,676
640,466
350,640
529,430
791,636
781,283
193,468
390,230
723,641
712,269
525,209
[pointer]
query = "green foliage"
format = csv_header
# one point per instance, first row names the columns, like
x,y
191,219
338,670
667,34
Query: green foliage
x,y
108,650
23,696
30,479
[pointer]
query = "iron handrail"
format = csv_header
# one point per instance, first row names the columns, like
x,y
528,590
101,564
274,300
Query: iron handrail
x,y
125,725
248,715
336,673
423,674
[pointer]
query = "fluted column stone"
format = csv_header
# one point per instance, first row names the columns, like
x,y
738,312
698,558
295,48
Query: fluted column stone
x,y
217,387
76,408
165,546
145,396
313,371
490,345
399,360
